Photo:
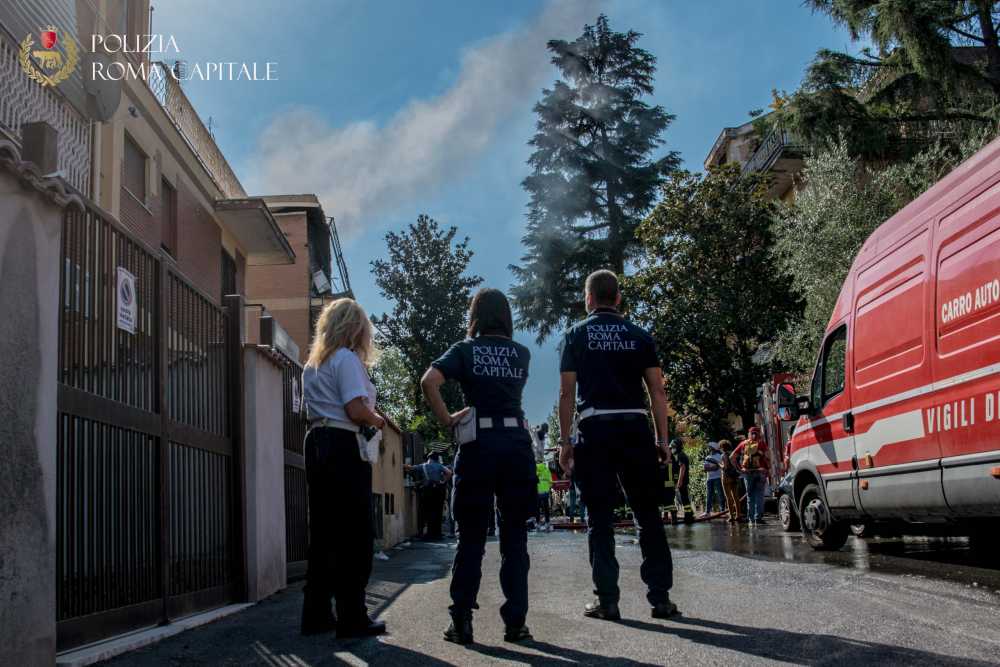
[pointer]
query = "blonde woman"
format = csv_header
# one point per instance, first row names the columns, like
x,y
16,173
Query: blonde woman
x,y
340,402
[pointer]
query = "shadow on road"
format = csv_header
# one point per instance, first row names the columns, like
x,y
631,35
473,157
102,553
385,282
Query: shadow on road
x,y
554,655
795,647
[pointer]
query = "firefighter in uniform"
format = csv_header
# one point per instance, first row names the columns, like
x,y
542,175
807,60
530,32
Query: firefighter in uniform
x,y
495,458
610,359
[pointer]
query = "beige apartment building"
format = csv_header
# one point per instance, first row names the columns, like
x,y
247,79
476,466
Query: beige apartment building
x,y
295,293
779,154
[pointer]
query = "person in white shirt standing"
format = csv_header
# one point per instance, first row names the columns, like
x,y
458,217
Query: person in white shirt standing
x,y
713,482
340,407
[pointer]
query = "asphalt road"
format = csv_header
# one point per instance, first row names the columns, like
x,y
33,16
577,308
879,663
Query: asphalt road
x,y
748,596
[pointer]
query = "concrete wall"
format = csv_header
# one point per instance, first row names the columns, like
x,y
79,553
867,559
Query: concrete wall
x,y
387,479
30,230
264,483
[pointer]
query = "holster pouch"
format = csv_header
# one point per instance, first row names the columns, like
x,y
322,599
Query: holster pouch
x,y
465,430
369,440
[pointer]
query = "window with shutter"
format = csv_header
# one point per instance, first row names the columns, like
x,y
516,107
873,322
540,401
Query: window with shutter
x,y
134,170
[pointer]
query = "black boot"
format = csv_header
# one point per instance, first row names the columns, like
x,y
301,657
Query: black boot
x,y
519,633
364,627
316,620
460,630
605,612
665,609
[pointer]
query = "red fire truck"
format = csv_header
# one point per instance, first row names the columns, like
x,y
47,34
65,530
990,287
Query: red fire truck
x,y
902,418
775,431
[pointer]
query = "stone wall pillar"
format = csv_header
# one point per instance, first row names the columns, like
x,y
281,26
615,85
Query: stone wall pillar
x,y
31,212
264,483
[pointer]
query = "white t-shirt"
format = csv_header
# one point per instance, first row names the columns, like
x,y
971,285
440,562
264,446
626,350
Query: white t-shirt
x,y
337,382
717,458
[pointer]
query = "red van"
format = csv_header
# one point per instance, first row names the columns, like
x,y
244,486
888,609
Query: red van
x,y
902,421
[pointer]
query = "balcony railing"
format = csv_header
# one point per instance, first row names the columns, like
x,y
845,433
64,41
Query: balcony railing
x,y
24,101
774,144
171,97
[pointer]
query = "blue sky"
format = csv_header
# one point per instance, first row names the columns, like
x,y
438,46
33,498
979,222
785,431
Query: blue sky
x,y
391,109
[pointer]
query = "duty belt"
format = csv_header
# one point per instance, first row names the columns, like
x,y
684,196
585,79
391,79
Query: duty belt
x,y
334,423
597,412
502,422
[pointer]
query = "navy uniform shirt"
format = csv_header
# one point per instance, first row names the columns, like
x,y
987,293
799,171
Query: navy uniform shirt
x,y
492,371
609,355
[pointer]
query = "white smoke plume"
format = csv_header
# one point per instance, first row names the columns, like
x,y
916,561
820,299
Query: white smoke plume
x,y
362,170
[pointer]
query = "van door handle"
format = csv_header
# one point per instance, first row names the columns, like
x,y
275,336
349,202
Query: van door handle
x,y
848,421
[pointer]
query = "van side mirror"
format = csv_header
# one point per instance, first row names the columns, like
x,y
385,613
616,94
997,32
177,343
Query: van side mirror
x,y
804,405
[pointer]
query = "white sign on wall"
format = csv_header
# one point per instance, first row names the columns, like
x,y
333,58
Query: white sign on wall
x,y
127,301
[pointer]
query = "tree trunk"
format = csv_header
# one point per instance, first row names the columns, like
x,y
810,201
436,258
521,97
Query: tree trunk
x,y
991,45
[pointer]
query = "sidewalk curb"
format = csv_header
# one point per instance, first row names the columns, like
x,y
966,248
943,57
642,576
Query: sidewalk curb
x,y
105,650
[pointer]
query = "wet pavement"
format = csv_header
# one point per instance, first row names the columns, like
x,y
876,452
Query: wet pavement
x,y
749,596
946,558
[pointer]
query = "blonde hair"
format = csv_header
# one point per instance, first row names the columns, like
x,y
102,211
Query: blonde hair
x,y
342,323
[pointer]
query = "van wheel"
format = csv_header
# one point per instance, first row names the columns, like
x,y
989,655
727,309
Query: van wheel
x,y
786,513
984,540
818,527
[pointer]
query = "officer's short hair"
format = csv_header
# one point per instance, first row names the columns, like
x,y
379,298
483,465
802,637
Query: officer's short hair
x,y
603,286
434,456
489,313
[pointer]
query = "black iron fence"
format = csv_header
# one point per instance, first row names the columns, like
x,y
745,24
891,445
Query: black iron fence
x,y
293,439
146,486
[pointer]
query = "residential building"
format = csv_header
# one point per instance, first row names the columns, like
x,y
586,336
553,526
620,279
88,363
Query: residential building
x,y
295,293
778,154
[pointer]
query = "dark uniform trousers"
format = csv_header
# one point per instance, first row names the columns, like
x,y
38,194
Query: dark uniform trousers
x,y
432,499
615,450
341,534
499,462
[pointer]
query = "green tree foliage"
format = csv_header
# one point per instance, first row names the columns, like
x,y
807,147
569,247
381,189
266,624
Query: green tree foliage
x,y
553,422
425,279
932,72
593,177
841,204
817,239
395,387
709,292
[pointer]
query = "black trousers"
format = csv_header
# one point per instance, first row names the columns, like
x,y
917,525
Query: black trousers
x,y
501,463
341,534
432,499
620,451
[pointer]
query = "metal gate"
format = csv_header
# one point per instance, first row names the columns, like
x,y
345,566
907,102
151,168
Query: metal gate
x,y
296,493
148,520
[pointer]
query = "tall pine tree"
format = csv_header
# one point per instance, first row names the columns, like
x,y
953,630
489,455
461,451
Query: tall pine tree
x,y
932,71
594,177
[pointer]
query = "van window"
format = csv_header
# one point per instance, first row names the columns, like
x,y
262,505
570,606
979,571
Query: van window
x,y
828,380
834,363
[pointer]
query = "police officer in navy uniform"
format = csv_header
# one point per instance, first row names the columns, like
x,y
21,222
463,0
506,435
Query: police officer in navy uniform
x,y
495,457
613,362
